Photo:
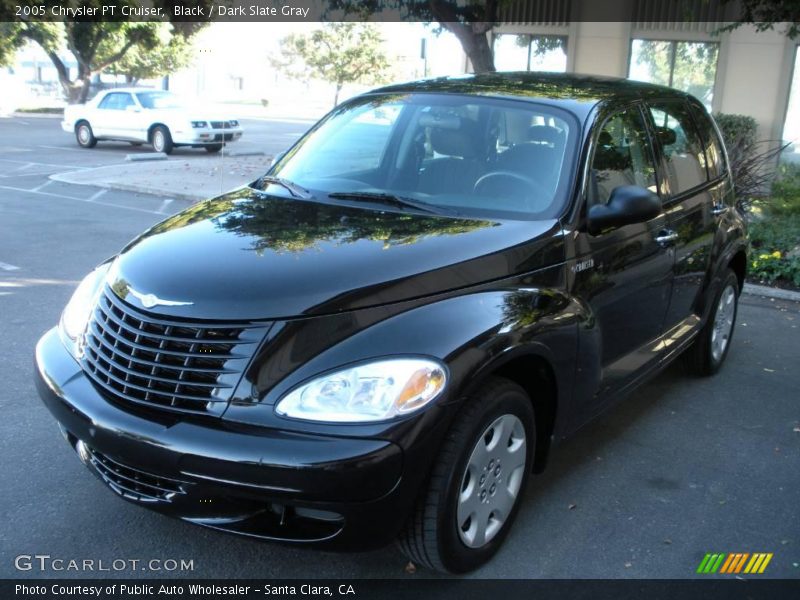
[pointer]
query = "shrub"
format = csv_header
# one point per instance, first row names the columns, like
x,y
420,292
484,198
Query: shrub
x,y
752,161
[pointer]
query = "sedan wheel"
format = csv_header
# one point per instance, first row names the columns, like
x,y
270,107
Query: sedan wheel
x,y
162,140
85,136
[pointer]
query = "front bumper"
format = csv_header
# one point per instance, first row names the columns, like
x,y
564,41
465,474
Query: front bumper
x,y
338,492
205,136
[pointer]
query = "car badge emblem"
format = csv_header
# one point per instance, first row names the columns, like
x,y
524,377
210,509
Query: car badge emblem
x,y
151,300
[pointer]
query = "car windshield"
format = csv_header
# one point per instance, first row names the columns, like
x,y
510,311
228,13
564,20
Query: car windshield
x,y
159,100
460,154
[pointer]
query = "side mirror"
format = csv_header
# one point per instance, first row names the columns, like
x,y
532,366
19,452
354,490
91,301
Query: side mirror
x,y
627,204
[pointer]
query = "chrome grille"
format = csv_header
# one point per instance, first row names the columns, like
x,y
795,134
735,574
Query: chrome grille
x,y
168,364
221,124
135,484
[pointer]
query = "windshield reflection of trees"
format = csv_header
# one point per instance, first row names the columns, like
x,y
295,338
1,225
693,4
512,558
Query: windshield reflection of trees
x,y
294,225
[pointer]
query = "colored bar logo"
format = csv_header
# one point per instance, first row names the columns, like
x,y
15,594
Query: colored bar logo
x,y
734,563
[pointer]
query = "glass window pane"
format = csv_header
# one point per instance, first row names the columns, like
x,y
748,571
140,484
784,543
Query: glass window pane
x,y
548,53
511,52
791,127
695,69
650,61
681,145
622,157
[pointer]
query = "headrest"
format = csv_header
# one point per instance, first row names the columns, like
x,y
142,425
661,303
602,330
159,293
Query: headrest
x,y
605,139
544,133
461,142
666,135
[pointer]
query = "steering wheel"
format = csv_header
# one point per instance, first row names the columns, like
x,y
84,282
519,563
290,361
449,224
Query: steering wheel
x,y
511,185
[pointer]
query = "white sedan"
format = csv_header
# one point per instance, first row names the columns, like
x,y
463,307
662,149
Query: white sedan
x,y
146,116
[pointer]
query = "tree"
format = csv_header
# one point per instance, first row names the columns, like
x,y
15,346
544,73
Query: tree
x,y
169,56
469,20
96,45
764,15
691,69
338,52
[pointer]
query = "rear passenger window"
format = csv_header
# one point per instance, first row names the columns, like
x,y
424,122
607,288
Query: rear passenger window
x,y
711,142
682,146
622,157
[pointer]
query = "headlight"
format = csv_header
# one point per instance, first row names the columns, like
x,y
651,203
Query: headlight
x,y
79,308
373,391
199,124
234,123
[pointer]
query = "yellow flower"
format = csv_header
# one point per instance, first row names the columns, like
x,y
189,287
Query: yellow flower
x,y
755,264
764,256
776,254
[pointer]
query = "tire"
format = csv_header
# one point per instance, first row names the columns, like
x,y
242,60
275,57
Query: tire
x,y
709,350
439,534
162,140
213,148
84,135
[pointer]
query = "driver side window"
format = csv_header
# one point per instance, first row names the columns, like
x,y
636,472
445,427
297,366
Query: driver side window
x,y
622,156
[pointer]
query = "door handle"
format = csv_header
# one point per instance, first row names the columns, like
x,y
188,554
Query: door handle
x,y
667,236
718,209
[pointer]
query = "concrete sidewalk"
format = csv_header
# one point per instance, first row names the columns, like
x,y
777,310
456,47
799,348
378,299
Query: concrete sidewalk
x,y
196,178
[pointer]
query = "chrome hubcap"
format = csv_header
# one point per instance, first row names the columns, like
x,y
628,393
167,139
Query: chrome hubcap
x,y
83,134
723,323
491,482
158,141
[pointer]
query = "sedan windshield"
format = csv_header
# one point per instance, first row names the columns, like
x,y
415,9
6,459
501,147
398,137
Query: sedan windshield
x,y
159,100
461,154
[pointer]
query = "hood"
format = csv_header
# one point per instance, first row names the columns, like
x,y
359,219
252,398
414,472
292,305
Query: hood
x,y
249,256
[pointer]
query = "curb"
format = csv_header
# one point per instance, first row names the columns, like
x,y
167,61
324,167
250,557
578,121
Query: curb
x,y
770,292
24,115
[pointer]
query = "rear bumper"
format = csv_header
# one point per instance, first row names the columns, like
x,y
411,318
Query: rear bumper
x,y
341,493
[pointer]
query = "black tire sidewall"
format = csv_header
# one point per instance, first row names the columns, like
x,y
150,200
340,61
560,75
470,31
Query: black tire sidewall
x,y
457,557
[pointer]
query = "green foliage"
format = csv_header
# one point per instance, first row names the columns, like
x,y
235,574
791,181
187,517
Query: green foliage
x,y
737,130
171,54
775,239
468,20
337,52
752,162
766,14
96,45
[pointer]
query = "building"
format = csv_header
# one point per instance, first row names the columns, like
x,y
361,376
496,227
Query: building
x,y
672,43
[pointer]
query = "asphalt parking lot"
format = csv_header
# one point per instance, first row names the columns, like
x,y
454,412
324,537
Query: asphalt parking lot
x,y
681,468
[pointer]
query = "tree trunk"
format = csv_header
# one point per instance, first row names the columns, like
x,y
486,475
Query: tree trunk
x,y
338,89
475,44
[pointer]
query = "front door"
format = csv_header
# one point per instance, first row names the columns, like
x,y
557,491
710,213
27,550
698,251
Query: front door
x,y
624,274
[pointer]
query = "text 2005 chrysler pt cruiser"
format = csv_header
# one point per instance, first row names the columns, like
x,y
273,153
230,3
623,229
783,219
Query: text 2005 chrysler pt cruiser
x,y
381,337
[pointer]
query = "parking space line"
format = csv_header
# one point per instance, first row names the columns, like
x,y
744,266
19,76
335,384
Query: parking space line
x,y
8,267
44,164
63,148
44,185
87,200
97,195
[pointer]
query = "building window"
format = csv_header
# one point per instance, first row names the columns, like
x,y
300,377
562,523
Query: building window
x,y
524,52
791,127
687,66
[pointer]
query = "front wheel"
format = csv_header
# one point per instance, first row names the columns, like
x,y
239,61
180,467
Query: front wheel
x,y
477,482
84,135
162,140
708,352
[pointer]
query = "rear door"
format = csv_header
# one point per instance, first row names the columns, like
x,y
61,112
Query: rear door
x,y
690,209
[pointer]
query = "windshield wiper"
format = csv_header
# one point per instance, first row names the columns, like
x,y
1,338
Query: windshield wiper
x,y
294,189
384,198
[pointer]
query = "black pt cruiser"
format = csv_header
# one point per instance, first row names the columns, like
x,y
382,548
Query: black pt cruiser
x,y
381,337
